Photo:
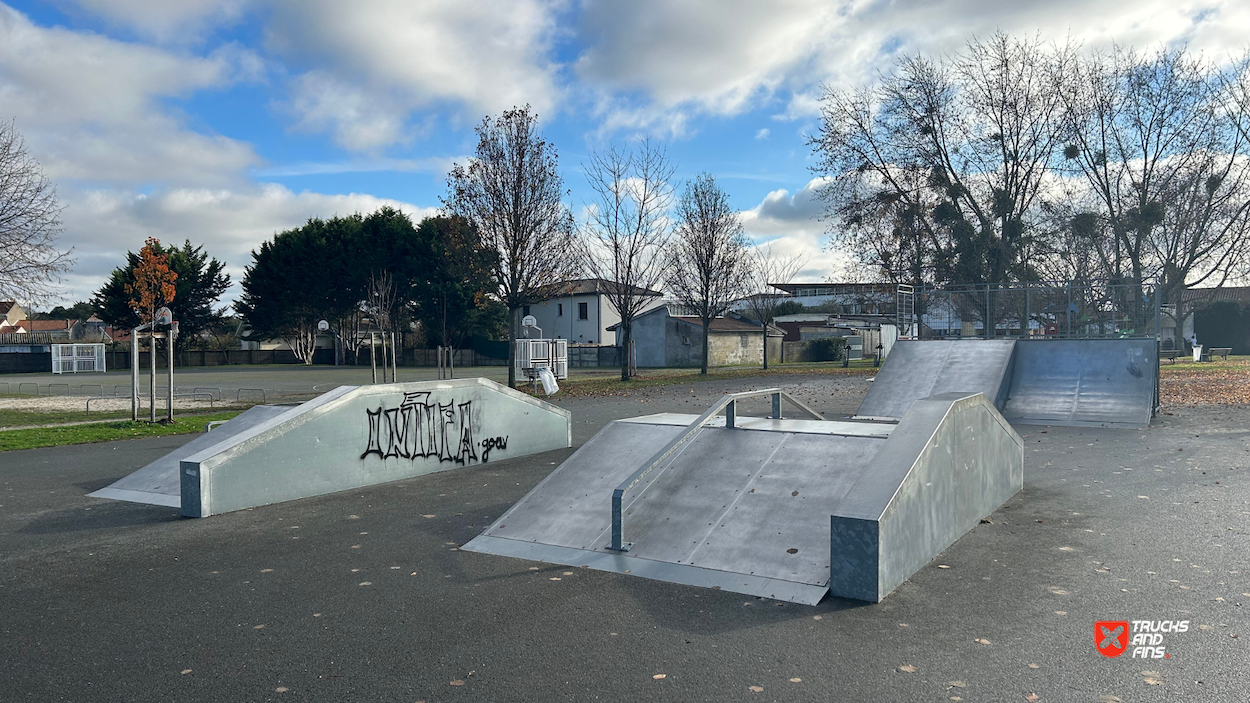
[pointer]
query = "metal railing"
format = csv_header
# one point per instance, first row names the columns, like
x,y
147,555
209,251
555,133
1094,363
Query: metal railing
x,y
239,393
728,403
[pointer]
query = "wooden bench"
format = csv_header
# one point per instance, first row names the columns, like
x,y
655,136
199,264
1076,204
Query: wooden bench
x,y
1169,354
1221,352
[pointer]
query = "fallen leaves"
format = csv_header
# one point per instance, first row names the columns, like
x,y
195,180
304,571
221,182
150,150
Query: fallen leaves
x,y
456,682
796,680
907,668
981,640
184,672
943,566
366,583
1207,385
1055,590
1153,678
1034,666
1032,697
1108,698
657,677
955,684
281,689
755,689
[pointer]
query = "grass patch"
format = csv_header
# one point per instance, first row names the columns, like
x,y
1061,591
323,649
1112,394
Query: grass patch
x,y
646,378
1187,366
23,418
105,432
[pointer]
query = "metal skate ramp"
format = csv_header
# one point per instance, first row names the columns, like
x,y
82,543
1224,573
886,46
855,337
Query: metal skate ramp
x,y
744,505
1083,382
346,438
1073,382
919,369
158,482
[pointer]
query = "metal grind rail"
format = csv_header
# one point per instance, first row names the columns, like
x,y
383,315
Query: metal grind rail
x,y
728,403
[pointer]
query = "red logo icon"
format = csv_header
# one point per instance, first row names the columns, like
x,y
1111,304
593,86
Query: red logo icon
x,y
1111,637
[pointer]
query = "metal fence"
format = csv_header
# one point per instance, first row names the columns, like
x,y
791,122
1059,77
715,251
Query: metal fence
x,y
1049,309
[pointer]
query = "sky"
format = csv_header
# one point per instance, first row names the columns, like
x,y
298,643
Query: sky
x,y
226,121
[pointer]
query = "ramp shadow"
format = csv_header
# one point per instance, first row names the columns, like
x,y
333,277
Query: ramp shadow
x,y
104,515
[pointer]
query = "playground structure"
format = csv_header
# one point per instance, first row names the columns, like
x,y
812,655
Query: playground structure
x,y
350,437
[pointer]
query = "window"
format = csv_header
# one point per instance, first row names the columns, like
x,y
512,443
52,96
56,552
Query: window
x,y
525,310
583,311
560,309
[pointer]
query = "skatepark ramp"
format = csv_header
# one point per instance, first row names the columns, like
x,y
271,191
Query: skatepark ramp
x,y
350,437
1072,382
782,508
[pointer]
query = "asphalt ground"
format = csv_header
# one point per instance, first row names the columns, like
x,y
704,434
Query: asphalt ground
x,y
364,596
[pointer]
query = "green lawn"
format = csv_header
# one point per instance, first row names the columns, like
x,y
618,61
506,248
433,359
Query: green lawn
x,y
24,418
105,431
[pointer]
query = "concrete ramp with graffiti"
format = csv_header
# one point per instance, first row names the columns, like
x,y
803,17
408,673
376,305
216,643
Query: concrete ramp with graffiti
x,y
357,436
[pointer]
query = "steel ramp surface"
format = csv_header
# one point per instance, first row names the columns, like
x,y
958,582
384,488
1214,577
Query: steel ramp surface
x,y
743,510
921,368
158,483
1083,382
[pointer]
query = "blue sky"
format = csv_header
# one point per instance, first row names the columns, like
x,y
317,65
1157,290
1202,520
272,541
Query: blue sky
x,y
224,121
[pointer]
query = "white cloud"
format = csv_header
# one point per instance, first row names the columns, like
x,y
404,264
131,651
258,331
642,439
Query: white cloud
x,y
762,134
370,64
165,20
659,62
102,225
90,109
790,225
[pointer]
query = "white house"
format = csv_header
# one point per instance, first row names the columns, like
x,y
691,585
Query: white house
x,y
581,312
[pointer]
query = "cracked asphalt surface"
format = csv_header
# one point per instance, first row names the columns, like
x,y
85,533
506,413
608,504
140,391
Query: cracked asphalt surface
x,y
364,596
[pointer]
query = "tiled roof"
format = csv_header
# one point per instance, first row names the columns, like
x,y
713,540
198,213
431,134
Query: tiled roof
x,y
49,325
1230,294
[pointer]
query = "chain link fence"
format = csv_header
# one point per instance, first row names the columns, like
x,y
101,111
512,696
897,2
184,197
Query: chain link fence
x,y
1046,309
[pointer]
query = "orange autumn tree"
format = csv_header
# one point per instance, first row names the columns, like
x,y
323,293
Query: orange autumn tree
x,y
153,286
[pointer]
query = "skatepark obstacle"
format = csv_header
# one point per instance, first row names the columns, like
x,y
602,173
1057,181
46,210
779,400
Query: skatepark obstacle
x,y
782,508
350,437
1072,382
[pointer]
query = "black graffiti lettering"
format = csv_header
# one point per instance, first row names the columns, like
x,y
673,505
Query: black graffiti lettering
x,y
493,443
419,429
374,445
466,449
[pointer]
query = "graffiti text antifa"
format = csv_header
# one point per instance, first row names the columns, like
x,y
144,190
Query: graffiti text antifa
x,y
419,428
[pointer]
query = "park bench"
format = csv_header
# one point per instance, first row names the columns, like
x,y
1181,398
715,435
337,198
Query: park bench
x,y
1169,354
1221,352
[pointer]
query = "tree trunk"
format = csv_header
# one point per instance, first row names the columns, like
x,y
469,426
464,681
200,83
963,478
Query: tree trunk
x,y
765,346
512,337
707,341
627,331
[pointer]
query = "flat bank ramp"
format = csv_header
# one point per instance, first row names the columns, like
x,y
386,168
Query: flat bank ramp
x,y
1083,382
350,437
918,369
158,482
748,509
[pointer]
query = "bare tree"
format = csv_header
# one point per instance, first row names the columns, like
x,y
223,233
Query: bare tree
x,y
765,269
1161,142
511,191
708,259
949,154
627,230
30,262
